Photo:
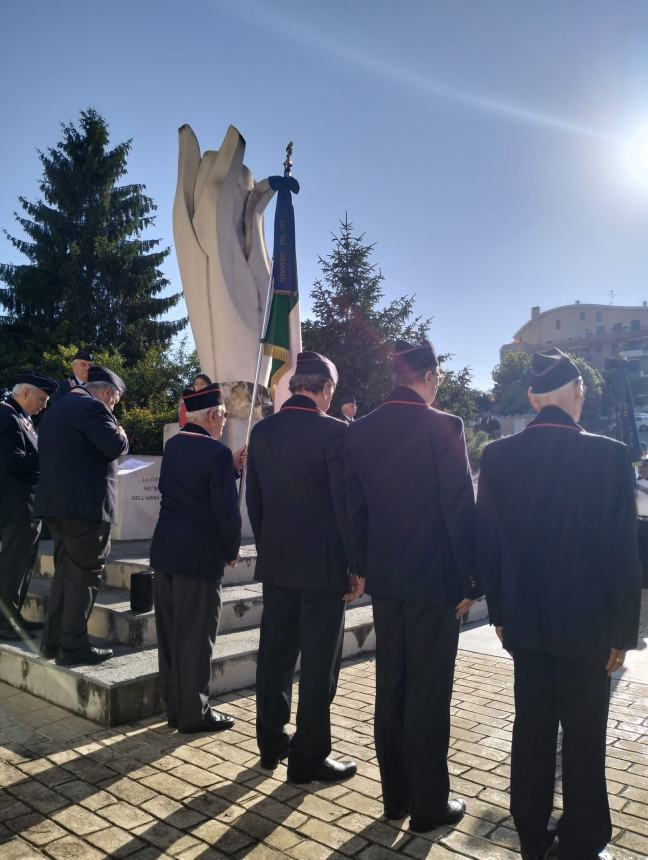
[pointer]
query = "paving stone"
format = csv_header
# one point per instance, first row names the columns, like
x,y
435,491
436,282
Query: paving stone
x,y
115,842
126,816
70,847
16,849
78,820
35,828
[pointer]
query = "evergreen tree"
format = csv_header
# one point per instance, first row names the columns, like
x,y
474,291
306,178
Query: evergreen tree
x,y
90,276
349,326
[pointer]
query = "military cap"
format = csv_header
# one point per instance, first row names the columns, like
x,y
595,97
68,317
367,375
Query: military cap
x,y
348,398
206,398
409,356
97,373
316,364
551,370
82,354
38,380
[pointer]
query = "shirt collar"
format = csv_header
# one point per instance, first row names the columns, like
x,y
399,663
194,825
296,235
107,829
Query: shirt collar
x,y
403,394
195,428
553,416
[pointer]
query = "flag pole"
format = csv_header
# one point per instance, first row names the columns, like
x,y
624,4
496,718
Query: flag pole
x,y
266,313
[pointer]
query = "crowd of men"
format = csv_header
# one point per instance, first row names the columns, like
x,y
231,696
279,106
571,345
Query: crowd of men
x,y
382,504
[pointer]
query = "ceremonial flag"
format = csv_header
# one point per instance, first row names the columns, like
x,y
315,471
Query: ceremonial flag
x,y
282,339
626,425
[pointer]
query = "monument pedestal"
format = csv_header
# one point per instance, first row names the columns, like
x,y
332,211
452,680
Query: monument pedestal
x,y
138,497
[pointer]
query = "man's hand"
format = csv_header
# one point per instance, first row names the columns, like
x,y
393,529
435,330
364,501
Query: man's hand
x,y
121,431
356,588
615,660
235,561
463,607
240,458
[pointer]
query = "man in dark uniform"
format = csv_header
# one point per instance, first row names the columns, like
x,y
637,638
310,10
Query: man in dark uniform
x,y
80,443
81,364
348,408
411,514
295,500
197,534
19,530
558,548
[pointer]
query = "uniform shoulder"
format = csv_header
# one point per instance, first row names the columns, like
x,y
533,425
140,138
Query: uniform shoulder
x,y
446,418
604,443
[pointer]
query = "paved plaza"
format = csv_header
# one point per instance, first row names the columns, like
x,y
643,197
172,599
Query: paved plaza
x,y
72,789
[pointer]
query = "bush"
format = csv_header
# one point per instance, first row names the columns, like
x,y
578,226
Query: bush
x,y
476,441
145,428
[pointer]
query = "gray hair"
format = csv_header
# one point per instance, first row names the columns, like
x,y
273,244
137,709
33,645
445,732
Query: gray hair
x,y
21,388
313,382
96,387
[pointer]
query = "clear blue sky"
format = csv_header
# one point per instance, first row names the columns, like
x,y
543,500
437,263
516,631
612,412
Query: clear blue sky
x,y
478,143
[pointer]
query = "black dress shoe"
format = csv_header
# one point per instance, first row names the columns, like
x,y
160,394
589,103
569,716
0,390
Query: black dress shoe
x,y
328,771
454,812
47,653
30,627
83,658
271,762
211,722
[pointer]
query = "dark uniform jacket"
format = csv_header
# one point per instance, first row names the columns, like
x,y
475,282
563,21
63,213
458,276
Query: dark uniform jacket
x,y
64,386
411,502
295,498
18,463
557,539
199,529
79,445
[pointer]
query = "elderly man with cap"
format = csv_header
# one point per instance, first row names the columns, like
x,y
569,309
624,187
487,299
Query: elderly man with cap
x,y
197,534
557,546
295,500
81,364
19,471
80,443
348,408
411,517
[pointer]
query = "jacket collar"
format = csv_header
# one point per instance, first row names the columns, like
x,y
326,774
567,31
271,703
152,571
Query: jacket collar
x,y
17,407
195,429
553,416
302,403
407,396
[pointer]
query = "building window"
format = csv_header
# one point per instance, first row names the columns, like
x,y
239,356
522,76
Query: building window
x,y
600,329
598,316
634,325
618,327
582,315
557,323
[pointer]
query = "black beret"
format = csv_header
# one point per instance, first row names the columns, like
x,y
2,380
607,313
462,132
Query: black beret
x,y
551,370
316,364
348,398
409,356
39,380
207,397
83,354
97,373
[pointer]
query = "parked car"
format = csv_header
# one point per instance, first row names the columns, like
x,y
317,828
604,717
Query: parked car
x,y
641,420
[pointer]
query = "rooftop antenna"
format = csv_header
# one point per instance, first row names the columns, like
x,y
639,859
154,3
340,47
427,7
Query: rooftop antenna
x,y
611,294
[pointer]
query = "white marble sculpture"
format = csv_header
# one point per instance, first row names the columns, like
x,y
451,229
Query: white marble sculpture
x,y
223,260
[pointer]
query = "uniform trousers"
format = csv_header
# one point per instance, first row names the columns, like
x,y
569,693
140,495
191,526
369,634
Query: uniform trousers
x,y
187,611
311,623
550,690
17,559
416,648
80,551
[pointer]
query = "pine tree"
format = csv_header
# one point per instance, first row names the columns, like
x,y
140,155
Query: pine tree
x,y
90,276
349,326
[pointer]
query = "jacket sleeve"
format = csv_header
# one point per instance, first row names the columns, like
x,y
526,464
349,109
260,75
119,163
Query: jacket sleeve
x,y
224,501
487,544
253,494
624,582
357,512
334,451
457,500
100,428
14,456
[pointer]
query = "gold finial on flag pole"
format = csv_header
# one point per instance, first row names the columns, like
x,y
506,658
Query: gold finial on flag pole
x,y
288,162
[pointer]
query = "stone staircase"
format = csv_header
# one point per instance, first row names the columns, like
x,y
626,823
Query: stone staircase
x,y
125,688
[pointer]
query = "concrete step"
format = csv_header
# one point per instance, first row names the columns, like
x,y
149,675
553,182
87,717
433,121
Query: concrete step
x,y
112,618
125,688
130,556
